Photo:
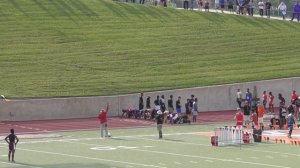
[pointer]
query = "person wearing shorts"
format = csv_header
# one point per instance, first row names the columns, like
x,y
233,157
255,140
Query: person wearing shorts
x,y
12,141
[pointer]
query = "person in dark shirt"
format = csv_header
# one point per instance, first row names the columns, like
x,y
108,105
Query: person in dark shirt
x,y
170,104
141,102
162,103
12,141
159,121
148,100
282,100
178,105
246,110
268,8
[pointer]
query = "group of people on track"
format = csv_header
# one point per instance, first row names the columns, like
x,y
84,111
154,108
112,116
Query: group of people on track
x,y
252,112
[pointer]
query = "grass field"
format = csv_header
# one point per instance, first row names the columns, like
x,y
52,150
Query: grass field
x,y
182,146
100,47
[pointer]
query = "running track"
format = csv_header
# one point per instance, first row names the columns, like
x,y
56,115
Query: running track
x,y
93,123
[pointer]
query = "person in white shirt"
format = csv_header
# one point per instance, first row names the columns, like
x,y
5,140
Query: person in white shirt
x,y
282,8
261,5
239,96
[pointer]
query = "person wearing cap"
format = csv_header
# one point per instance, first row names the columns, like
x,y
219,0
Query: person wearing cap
x,y
103,120
239,117
159,121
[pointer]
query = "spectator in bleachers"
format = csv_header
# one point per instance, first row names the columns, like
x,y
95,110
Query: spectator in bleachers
x,y
200,5
251,6
206,6
222,5
230,5
261,6
237,4
192,5
170,104
185,4
268,8
241,8
296,11
217,4
282,8
245,5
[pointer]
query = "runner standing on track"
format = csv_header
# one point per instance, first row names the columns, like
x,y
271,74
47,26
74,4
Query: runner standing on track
x,y
12,141
103,120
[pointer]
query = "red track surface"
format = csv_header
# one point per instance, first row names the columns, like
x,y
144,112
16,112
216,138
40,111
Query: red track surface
x,y
93,123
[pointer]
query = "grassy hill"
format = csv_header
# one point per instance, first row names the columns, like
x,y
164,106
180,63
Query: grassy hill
x,y
100,47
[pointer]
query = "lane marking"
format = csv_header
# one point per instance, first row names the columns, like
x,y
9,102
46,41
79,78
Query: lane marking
x,y
193,156
154,135
211,158
85,157
19,164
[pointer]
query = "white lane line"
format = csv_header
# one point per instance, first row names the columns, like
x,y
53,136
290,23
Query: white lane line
x,y
209,161
205,145
89,158
269,157
154,135
193,156
18,164
211,158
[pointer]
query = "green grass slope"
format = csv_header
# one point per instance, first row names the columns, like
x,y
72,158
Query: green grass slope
x,y
100,47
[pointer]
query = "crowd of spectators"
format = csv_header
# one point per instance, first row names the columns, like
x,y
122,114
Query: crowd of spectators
x,y
255,108
174,111
241,7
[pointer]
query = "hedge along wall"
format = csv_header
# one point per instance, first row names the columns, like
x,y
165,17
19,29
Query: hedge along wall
x,y
212,98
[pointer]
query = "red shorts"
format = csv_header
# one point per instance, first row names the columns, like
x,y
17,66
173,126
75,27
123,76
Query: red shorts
x,y
12,146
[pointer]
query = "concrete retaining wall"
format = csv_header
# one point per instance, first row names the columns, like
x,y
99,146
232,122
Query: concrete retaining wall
x,y
213,98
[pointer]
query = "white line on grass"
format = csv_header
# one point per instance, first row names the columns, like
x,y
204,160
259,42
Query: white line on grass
x,y
198,144
18,164
89,158
193,156
152,135
211,158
